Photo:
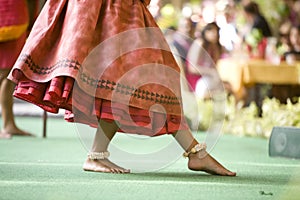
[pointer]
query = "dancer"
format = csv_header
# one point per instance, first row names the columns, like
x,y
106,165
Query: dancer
x,y
109,68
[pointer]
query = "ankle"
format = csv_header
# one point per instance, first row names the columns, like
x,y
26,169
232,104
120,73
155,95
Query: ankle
x,y
199,155
98,155
197,149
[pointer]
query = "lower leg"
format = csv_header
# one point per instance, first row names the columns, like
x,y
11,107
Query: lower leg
x,y
105,133
201,160
7,104
3,135
6,94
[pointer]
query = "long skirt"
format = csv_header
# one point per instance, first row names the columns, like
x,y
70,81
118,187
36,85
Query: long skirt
x,y
102,59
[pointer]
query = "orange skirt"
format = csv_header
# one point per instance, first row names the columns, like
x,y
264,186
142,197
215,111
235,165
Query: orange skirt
x,y
109,63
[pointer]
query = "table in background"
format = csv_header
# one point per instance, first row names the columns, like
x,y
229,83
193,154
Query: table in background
x,y
243,73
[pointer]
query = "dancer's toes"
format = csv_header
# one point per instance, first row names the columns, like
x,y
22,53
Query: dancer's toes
x,y
5,135
204,162
103,165
230,173
115,168
95,166
120,170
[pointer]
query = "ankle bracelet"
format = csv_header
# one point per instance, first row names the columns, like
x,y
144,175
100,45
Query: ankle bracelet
x,y
98,155
195,149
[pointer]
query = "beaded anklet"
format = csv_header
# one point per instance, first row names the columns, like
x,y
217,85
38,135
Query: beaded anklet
x,y
98,155
195,149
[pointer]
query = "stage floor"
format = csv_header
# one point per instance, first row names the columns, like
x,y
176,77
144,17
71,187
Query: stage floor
x,y
51,169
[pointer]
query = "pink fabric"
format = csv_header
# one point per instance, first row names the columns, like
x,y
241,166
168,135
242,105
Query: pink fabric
x,y
9,52
82,108
111,58
192,80
12,12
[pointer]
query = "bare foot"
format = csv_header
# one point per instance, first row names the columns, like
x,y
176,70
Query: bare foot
x,y
202,161
103,166
4,135
16,132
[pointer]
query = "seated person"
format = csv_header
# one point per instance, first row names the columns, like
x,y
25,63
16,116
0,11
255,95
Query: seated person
x,y
294,52
283,92
202,57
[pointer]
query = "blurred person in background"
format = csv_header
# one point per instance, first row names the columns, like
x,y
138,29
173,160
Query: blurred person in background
x,y
229,36
293,9
180,43
260,30
293,54
16,18
256,19
201,62
183,38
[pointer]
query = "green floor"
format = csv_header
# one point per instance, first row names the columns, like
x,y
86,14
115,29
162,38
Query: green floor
x,y
37,168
